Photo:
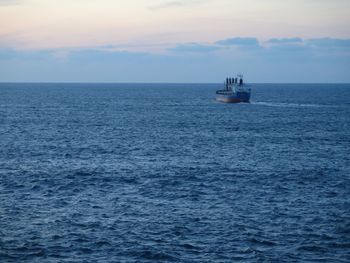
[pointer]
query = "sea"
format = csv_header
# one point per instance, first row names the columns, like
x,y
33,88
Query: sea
x,y
164,173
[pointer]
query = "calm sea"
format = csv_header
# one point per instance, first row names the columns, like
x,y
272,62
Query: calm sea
x,y
163,173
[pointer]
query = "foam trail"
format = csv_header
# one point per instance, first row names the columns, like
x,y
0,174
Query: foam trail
x,y
291,105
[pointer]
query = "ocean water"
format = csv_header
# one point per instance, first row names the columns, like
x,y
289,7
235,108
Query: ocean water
x,y
163,173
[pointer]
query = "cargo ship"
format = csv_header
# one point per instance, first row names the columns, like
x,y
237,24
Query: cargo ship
x,y
235,91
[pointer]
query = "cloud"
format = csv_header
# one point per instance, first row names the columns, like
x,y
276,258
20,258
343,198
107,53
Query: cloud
x,y
285,40
13,54
283,61
329,42
193,48
175,4
238,41
103,55
6,53
297,48
167,5
9,2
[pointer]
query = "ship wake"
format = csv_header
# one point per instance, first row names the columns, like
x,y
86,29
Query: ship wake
x,y
289,105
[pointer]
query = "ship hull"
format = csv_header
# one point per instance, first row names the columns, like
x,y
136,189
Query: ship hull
x,y
234,97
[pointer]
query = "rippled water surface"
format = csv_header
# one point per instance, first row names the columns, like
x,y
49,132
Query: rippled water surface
x,y
163,173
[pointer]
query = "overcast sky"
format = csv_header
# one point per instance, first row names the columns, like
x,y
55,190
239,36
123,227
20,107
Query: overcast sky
x,y
174,41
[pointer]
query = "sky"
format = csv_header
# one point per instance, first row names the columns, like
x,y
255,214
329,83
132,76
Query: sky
x,y
297,41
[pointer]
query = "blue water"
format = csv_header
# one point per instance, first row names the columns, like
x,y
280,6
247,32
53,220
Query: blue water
x,y
163,173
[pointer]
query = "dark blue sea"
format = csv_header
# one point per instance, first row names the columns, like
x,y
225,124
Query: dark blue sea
x,y
163,173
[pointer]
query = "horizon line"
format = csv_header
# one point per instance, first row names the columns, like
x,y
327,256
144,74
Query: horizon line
x,y
156,82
